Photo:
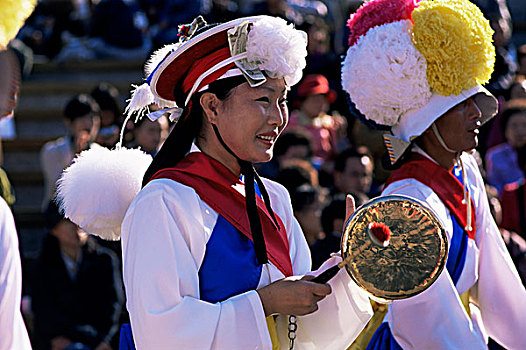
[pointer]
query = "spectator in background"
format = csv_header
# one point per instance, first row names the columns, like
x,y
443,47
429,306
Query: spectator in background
x,y
149,135
307,202
168,15
327,131
332,221
353,173
107,97
296,172
76,291
332,224
118,31
502,162
496,11
293,144
521,60
518,87
515,243
82,121
513,199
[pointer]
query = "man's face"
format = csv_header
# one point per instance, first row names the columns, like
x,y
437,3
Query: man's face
x,y
459,126
356,177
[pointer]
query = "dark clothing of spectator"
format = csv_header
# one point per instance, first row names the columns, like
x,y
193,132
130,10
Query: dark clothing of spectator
x,y
84,308
113,21
513,199
323,248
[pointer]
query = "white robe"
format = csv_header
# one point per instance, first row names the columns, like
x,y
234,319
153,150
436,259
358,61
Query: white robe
x,y
13,333
436,319
164,236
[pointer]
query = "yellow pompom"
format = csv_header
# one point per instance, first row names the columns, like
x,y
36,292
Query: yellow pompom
x,y
13,13
456,41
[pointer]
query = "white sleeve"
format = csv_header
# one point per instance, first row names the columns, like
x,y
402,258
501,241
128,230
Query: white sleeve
x,y
12,329
436,318
164,242
500,294
341,315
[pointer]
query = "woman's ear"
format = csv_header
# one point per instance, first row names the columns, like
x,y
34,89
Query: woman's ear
x,y
210,103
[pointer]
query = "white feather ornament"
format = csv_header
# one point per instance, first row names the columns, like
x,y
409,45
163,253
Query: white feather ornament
x,y
96,190
141,98
385,75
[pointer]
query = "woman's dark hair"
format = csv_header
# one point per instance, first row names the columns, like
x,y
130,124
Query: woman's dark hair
x,y
188,128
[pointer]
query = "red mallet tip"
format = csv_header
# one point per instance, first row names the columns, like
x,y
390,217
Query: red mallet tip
x,y
379,233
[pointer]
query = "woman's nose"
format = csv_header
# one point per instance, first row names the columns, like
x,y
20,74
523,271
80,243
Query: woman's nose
x,y
278,115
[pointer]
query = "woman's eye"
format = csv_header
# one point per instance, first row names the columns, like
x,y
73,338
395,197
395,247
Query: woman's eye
x,y
263,99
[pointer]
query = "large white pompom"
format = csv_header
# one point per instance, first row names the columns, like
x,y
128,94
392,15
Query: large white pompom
x,y
385,75
97,189
279,49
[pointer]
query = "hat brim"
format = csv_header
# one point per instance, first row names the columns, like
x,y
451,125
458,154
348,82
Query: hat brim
x,y
415,122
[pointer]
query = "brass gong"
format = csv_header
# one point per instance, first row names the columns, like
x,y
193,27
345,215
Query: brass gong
x,y
414,258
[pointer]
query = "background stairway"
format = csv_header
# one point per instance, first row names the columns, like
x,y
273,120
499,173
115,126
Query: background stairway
x,y
38,119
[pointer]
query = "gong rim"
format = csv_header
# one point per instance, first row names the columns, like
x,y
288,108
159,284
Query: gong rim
x,y
413,260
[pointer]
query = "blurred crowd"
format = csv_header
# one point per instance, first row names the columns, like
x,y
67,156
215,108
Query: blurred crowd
x,y
324,153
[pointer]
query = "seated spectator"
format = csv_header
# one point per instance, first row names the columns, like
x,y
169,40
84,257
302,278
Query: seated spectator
x,y
82,121
118,31
107,97
327,132
76,290
149,135
502,163
353,173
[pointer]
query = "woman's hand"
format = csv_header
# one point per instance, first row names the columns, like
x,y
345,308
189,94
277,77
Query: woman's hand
x,y
292,296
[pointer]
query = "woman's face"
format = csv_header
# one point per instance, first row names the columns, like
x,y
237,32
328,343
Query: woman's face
x,y
516,130
251,119
459,126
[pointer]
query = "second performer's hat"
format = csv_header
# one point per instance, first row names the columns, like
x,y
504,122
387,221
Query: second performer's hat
x,y
411,61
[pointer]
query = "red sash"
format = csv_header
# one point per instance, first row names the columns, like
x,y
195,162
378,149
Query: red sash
x,y
442,182
225,193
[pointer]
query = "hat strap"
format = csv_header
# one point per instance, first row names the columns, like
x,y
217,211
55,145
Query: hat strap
x,y
212,69
247,169
440,139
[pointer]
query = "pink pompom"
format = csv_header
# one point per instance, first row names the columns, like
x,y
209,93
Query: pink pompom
x,y
377,12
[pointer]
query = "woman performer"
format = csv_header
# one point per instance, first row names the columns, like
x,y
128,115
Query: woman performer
x,y
425,68
208,262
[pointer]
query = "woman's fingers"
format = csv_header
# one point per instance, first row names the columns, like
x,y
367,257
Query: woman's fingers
x,y
292,296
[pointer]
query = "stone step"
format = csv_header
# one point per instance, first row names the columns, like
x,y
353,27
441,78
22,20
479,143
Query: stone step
x,y
28,198
73,82
21,162
89,66
39,107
